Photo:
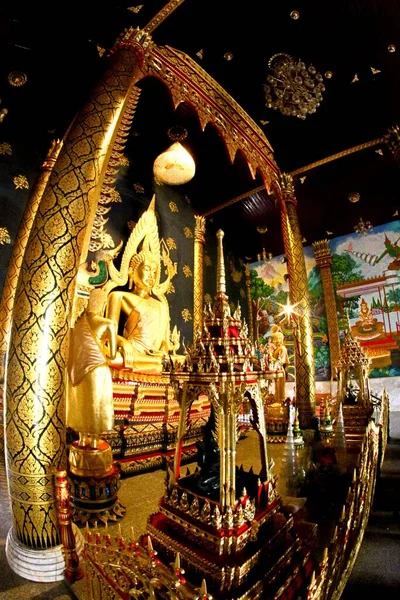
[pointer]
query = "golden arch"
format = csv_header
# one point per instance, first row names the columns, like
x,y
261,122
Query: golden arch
x,y
60,235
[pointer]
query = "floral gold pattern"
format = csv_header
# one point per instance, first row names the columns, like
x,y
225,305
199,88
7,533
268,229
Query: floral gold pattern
x,y
188,232
21,182
4,236
100,50
173,207
171,288
171,243
207,298
187,271
139,189
124,162
5,148
186,315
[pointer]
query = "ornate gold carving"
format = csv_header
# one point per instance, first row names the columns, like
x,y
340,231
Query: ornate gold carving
x,y
4,236
162,15
189,83
188,232
5,148
21,182
171,243
173,207
186,315
187,271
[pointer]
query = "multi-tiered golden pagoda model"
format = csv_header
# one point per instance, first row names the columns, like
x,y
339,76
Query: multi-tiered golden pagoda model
x,y
225,522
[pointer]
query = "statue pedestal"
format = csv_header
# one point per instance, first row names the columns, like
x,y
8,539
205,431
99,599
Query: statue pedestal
x,y
146,415
94,481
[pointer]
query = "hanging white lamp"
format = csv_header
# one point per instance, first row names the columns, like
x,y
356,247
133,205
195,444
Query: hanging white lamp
x,y
175,166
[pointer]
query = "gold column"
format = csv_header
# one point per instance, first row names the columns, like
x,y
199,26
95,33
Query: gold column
x,y
249,301
11,278
198,279
298,289
324,263
35,392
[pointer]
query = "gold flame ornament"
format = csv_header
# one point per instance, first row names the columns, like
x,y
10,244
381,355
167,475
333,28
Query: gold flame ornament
x,y
175,166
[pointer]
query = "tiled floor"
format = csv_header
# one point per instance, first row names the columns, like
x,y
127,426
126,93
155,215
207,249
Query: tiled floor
x,y
140,494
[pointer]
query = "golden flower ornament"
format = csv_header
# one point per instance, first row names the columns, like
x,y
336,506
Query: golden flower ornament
x,y
21,182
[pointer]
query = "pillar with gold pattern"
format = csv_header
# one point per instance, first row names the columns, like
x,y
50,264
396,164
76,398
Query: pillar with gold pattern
x,y
324,263
11,279
249,301
299,295
199,240
59,240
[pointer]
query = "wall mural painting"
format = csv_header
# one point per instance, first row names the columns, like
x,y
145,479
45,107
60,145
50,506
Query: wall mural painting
x,y
270,294
367,279
366,275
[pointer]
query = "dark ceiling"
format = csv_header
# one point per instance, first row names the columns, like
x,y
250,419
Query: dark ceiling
x,y
56,44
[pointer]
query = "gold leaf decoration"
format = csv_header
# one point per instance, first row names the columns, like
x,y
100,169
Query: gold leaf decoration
x,y
21,182
4,236
188,232
187,271
138,188
186,315
207,261
124,161
207,298
135,9
115,196
108,242
100,50
5,148
242,293
173,207
171,288
171,243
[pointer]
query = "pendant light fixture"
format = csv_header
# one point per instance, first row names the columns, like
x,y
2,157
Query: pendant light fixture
x,y
175,166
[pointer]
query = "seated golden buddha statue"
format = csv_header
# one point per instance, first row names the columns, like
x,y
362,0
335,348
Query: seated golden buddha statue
x,y
145,338
141,314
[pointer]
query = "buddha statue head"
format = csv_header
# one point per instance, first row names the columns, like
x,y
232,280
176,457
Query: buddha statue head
x,y
143,271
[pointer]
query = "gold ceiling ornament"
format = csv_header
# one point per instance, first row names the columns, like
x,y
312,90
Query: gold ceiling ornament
x,y
228,56
4,236
199,54
100,50
5,148
375,71
295,15
392,48
354,197
17,78
135,9
175,166
21,182
293,88
355,78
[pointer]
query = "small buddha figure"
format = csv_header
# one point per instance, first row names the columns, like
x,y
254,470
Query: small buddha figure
x,y
90,406
145,338
366,321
